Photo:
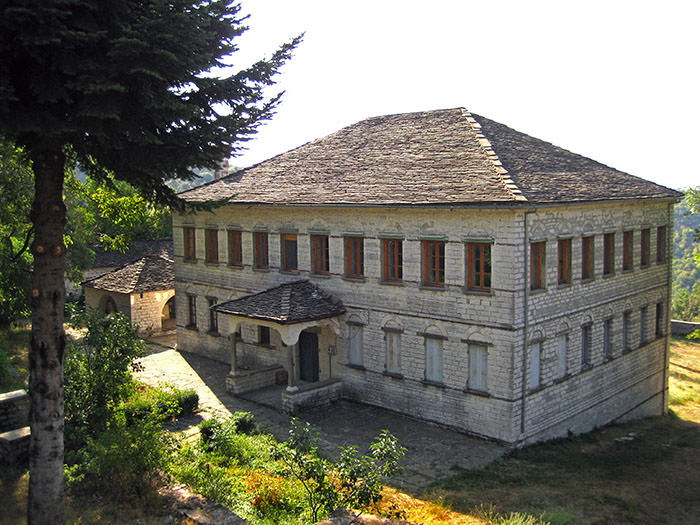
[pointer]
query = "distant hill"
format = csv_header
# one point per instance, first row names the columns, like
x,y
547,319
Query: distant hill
x,y
686,272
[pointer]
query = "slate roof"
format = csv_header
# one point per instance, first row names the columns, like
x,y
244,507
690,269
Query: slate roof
x,y
288,303
109,258
443,157
147,274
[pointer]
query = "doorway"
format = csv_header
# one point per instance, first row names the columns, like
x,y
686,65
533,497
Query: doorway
x,y
308,357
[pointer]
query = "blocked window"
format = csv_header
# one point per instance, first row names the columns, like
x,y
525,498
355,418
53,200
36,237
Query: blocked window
x,y
433,359
213,317
537,265
355,345
643,325
319,255
479,266
562,354
393,351
190,243
478,367
587,260
627,249
627,330
354,257
192,311
608,254
564,261
211,243
260,252
607,338
535,358
392,260
235,248
289,252
586,342
434,263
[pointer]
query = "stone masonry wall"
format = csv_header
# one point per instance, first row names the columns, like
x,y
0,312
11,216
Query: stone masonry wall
x,y
147,310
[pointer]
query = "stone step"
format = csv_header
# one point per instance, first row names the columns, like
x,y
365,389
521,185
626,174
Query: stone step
x,y
14,446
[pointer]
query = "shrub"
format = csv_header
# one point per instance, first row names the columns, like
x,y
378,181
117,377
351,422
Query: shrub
x,y
215,433
244,422
168,400
188,401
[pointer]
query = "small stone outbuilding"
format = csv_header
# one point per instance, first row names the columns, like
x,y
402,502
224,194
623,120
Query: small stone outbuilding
x,y
143,290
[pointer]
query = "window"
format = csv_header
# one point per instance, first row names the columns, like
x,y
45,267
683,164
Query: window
x,y
213,318
392,268
643,323
433,359
212,245
319,254
289,252
478,367
626,327
264,335
537,260
355,345
562,354
607,339
586,340
659,322
627,247
393,351
434,263
260,254
479,266
354,257
609,254
192,311
564,261
661,244
533,380
190,245
235,248
644,257
587,257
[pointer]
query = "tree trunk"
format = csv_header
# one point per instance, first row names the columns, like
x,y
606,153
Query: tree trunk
x,y
47,296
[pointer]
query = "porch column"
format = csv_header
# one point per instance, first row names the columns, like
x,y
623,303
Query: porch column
x,y
292,371
234,364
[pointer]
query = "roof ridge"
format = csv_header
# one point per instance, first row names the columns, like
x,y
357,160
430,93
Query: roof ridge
x,y
491,154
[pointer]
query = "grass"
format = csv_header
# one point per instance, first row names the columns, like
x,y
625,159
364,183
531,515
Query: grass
x,y
684,374
14,358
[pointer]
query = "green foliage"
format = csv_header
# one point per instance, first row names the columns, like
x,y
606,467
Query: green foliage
x,y
146,400
686,258
14,347
354,481
98,375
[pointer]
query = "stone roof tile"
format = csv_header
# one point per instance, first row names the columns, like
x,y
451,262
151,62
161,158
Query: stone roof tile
x,y
151,273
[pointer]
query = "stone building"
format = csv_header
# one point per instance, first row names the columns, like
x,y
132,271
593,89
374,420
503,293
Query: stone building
x,y
441,265
143,290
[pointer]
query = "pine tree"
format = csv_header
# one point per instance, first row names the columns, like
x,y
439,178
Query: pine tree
x,y
127,87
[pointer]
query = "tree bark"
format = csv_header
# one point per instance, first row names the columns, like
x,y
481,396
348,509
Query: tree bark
x,y
47,296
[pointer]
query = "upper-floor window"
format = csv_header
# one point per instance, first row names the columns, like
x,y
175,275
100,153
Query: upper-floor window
x,y
260,253
587,268
644,256
478,367
213,318
627,249
608,254
190,243
661,244
319,254
479,266
211,243
235,248
392,260
289,252
434,263
537,265
355,257
564,261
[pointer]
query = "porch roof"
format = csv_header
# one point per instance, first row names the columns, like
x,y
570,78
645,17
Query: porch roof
x,y
289,303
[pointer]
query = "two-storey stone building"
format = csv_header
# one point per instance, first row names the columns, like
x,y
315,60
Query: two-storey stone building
x,y
441,265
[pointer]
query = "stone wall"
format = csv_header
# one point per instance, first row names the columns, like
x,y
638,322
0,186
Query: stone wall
x,y
14,410
248,380
683,327
96,299
147,310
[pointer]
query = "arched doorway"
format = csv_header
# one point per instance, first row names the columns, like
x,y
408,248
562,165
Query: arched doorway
x,y
167,317
110,307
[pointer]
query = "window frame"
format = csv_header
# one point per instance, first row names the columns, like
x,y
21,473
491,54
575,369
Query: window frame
x,y
355,345
189,239
354,247
261,252
587,257
645,248
235,248
433,263
263,335
320,258
661,244
609,254
478,382
538,258
479,252
392,260
211,245
628,250
439,371
392,365
564,261
562,355
289,261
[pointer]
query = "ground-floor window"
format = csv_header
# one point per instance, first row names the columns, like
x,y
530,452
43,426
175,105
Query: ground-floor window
x,y
355,345
192,311
562,353
534,376
213,317
433,359
478,367
393,351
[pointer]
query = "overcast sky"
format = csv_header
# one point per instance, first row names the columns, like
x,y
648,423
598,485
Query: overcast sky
x,y
616,81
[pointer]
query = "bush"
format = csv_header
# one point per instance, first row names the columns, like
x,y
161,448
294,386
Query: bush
x,y
188,401
215,433
168,400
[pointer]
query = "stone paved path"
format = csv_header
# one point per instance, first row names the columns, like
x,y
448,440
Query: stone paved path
x,y
432,451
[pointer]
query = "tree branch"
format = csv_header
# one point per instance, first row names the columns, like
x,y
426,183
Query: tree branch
x,y
25,246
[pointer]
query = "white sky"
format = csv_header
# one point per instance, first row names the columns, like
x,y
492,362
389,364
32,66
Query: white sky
x,y
617,81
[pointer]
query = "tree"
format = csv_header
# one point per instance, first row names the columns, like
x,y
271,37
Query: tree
x,y
130,89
